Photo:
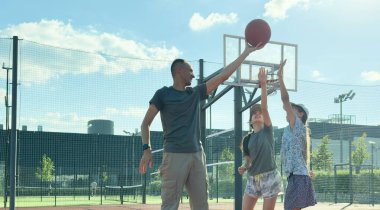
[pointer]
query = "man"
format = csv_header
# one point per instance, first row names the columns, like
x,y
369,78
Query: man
x,y
184,162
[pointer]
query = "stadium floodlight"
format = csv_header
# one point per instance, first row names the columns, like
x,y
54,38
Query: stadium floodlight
x,y
340,99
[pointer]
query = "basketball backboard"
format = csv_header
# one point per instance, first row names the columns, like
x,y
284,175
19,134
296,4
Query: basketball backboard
x,y
268,57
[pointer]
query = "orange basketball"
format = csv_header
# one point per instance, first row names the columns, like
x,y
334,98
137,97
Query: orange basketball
x,y
257,31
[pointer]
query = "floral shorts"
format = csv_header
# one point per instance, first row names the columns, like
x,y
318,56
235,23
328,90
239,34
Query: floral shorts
x,y
267,185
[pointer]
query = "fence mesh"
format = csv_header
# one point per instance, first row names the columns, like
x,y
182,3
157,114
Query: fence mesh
x,y
78,140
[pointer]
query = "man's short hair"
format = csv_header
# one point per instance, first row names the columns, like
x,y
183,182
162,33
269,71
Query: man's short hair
x,y
175,63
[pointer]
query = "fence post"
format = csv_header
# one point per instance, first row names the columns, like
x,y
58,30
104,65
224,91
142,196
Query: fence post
x,y
336,196
55,187
101,192
217,184
13,151
144,189
372,186
121,194
350,179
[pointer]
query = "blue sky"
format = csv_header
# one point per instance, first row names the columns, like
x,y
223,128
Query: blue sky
x,y
338,43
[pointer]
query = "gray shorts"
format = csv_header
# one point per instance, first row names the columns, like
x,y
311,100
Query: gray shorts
x,y
266,185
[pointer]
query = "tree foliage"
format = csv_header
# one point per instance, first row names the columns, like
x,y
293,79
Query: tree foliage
x,y
226,170
45,172
322,157
360,154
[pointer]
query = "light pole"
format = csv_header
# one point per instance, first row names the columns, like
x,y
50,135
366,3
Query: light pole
x,y
7,106
340,99
132,165
350,165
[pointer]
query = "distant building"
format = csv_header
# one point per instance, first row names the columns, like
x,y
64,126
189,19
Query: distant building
x,y
100,127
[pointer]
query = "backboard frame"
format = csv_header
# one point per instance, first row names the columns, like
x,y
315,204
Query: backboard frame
x,y
279,50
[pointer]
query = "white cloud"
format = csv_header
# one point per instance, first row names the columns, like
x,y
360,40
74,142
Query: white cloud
x,y
57,122
90,52
73,122
371,76
136,112
112,111
198,23
317,75
277,9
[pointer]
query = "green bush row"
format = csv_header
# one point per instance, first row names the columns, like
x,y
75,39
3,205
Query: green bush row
x,y
324,182
83,191
363,182
35,191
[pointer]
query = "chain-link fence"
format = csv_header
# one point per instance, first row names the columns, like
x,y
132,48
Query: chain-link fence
x,y
78,139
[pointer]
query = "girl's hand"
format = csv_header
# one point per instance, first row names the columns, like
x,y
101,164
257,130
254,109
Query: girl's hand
x,y
311,174
281,70
241,170
262,76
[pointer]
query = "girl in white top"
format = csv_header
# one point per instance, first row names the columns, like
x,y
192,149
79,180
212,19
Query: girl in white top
x,y
294,152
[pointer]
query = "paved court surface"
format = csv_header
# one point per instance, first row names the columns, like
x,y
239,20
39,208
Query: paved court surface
x,y
213,206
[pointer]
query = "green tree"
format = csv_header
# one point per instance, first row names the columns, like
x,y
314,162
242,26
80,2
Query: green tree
x,y
45,172
226,170
360,154
322,157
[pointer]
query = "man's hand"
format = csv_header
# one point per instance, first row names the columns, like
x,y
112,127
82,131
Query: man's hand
x,y
145,161
249,48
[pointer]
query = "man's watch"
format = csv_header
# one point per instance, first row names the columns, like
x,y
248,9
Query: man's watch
x,y
145,147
